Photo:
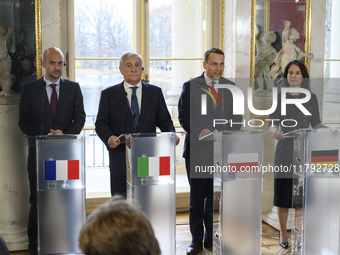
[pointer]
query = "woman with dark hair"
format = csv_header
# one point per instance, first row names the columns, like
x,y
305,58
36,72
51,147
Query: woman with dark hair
x,y
295,76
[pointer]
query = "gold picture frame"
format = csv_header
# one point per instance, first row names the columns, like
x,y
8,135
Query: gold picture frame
x,y
38,37
22,20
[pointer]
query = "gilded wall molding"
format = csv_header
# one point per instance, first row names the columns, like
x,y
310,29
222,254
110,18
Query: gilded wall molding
x,y
252,50
60,26
38,37
223,25
266,16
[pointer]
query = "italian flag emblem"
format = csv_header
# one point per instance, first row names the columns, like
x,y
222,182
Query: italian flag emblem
x,y
153,166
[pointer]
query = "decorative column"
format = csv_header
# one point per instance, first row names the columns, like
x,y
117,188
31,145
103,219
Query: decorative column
x,y
183,13
14,192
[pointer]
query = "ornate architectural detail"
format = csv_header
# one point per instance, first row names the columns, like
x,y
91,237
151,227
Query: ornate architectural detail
x,y
38,36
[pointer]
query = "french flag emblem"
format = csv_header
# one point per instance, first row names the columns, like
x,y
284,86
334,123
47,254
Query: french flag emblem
x,y
61,170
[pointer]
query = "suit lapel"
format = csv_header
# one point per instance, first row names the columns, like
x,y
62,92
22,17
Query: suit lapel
x,y
63,92
121,98
43,98
146,100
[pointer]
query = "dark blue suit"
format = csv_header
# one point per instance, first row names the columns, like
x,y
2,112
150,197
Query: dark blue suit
x,y
36,118
200,153
35,110
115,118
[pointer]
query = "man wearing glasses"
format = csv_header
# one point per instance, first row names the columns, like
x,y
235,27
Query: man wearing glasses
x,y
50,105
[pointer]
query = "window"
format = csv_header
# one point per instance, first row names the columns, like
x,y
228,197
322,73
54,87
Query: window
x,y
170,35
103,31
331,104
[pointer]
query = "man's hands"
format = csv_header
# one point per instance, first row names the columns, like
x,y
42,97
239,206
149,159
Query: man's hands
x,y
113,141
278,134
56,132
204,132
177,140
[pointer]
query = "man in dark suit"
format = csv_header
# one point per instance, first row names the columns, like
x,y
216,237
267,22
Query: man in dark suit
x,y
48,105
129,107
200,153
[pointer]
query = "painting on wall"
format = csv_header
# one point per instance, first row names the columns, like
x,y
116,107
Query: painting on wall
x,y
17,45
281,35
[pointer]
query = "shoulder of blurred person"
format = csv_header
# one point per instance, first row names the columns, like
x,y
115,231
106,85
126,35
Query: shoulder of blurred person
x,y
3,247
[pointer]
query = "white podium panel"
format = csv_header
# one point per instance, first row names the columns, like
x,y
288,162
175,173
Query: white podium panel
x,y
151,181
61,193
316,192
238,159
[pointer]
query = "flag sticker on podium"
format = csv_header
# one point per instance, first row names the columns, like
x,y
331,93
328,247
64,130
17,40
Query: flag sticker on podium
x,y
61,170
326,159
153,166
243,162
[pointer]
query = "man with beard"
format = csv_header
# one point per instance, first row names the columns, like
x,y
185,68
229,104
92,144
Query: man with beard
x,y
49,105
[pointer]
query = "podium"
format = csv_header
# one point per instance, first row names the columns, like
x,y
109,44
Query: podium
x,y
238,160
316,191
151,181
61,193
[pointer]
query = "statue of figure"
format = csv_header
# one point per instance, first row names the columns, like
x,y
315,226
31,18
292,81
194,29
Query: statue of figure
x,y
289,51
5,61
265,56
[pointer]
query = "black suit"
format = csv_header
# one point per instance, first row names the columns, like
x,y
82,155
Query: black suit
x,y
35,109
36,118
115,118
200,153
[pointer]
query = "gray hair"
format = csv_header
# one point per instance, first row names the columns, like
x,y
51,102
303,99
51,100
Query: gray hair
x,y
127,55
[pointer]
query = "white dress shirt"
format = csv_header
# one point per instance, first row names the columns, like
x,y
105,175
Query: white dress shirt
x,y
128,91
49,88
208,81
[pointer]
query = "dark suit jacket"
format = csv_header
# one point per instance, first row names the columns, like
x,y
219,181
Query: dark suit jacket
x,y
115,118
35,110
193,122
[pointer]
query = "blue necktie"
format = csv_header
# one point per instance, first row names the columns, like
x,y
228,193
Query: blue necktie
x,y
134,104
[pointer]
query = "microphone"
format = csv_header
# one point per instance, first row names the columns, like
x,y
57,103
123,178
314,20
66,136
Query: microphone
x,y
42,109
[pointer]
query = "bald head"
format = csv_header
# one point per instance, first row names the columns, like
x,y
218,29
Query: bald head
x,y
53,50
53,62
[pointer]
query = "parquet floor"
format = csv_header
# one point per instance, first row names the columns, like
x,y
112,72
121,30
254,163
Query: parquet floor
x,y
270,239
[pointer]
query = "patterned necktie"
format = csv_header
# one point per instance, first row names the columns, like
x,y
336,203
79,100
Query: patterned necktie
x,y
213,85
134,104
54,99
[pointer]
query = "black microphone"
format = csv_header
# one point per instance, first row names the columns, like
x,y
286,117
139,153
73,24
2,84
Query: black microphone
x,y
42,109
